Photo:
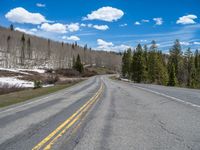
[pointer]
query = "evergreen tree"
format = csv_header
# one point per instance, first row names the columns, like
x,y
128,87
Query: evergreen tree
x,y
152,60
22,50
29,48
138,65
175,56
11,27
189,65
126,63
78,64
196,60
172,77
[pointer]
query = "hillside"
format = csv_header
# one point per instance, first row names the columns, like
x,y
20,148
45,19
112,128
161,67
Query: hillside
x,y
19,50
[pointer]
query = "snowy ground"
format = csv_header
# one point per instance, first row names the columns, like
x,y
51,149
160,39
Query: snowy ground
x,y
18,82
13,81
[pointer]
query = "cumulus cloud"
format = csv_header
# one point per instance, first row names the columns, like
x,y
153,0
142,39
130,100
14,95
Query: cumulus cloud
x,y
71,38
159,21
109,46
54,28
189,19
137,23
73,27
40,5
101,27
109,14
21,15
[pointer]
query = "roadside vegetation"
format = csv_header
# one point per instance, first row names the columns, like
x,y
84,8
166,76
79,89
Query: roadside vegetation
x,y
21,96
150,65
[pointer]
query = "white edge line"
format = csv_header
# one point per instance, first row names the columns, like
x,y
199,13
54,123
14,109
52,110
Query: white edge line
x,y
164,95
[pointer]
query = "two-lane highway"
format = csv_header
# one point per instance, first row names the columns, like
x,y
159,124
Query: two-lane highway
x,y
24,126
101,113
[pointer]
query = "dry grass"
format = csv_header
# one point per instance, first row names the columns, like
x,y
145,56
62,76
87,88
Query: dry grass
x,y
6,88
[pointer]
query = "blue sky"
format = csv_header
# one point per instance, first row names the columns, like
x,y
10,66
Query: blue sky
x,y
107,24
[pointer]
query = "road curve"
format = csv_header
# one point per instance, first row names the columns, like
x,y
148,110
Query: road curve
x,y
101,113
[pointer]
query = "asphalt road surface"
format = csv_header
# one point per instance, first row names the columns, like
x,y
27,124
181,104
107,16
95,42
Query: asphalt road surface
x,y
103,114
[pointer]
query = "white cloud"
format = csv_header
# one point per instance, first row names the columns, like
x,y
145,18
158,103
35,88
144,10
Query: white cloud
x,y
159,21
73,27
137,23
143,41
40,5
21,15
83,25
103,43
123,25
109,14
196,43
185,43
145,21
90,25
189,19
101,27
27,31
109,46
71,38
54,28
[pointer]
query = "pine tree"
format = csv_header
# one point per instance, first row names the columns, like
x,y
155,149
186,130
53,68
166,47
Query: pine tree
x,y
189,65
22,50
138,65
152,60
126,63
11,27
29,48
78,64
175,57
172,77
196,60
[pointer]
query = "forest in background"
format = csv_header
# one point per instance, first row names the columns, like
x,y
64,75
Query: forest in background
x,y
20,50
150,65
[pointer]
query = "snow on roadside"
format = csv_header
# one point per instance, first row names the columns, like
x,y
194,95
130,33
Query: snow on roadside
x,y
34,70
14,81
22,70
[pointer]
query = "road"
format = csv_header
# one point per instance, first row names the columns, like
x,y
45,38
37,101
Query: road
x,y
104,114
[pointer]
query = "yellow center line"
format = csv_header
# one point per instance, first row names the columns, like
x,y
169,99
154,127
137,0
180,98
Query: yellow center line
x,y
69,122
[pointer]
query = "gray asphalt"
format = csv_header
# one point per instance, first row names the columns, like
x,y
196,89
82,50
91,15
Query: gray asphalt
x,y
127,116
24,125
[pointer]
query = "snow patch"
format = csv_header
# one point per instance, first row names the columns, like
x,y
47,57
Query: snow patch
x,y
14,81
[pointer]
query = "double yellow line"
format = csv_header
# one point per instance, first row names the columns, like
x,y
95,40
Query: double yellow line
x,y
48,142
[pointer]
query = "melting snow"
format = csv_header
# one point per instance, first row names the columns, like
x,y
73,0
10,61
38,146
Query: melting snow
x,y
15,81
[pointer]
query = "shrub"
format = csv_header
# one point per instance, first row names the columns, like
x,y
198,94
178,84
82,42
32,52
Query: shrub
x,y
37,84
52,79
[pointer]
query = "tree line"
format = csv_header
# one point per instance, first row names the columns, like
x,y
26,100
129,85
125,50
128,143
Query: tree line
x,y
150,65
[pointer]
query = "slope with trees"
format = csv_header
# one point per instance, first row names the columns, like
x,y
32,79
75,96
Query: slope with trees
x,y
19,50
144,65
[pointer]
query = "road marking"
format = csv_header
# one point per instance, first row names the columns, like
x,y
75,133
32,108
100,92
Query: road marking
x,y
60,130
171,97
